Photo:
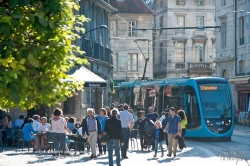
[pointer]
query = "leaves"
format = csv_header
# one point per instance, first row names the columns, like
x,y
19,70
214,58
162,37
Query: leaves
x,y
37,51
6,19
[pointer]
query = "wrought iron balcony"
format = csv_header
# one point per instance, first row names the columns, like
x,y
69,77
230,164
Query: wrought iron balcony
x,y
96,50
200,67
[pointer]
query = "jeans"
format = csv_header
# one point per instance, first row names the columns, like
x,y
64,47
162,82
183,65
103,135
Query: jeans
x,y
183,133
116,143
156,146
125,135
141,139
100,146
59,138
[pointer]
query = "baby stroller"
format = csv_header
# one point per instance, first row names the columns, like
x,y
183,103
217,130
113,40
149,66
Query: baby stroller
x,y
149,130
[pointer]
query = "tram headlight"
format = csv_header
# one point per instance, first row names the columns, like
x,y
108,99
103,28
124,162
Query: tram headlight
x,y
212,124
229,121
208,121
226,124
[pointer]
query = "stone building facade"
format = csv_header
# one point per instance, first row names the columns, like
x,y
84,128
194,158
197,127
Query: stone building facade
x,y
128,61
183,52
233,48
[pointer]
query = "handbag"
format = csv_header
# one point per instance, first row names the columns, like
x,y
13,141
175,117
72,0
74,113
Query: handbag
x,y
104,139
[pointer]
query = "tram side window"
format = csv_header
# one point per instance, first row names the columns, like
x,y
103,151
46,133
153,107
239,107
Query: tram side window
x,y
192,108
184,97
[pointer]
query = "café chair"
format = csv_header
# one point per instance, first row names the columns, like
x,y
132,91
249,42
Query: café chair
x,y
1,142
133,138
49,140
10,135
22,141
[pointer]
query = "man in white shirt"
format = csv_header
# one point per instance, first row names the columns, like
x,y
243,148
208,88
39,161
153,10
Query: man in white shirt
x,y
36,122
42,129
127,122
19,122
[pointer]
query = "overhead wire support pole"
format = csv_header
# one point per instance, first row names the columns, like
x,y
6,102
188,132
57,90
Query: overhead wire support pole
x,y
146,59
169,28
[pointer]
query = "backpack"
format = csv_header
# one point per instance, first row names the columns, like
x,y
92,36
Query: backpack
x,y
149,130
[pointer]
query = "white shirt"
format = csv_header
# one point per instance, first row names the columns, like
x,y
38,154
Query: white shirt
x,y
80,130
43,128
57,126
36,124
162,117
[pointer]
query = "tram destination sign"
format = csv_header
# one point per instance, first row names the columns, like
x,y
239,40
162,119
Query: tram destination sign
x,y
208,87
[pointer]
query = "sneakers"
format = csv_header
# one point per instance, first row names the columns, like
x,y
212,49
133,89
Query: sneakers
x,y
155,156
169,155
92,156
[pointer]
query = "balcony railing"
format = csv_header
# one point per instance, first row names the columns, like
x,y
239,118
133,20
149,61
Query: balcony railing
x,y
200,67
96,50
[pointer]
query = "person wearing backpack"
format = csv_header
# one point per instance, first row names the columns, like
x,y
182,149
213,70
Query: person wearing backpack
x,y
113,129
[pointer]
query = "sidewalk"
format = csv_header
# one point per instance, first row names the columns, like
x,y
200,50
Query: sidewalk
x,y
242,129
196,154
192,155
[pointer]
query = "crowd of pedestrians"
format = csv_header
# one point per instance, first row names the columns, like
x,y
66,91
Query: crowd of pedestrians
x,y
114,124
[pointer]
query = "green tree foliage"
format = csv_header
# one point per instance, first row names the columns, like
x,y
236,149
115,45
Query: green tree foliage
x,y
36,51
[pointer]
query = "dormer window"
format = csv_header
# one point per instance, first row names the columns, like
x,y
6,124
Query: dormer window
x,y
199,2
180,2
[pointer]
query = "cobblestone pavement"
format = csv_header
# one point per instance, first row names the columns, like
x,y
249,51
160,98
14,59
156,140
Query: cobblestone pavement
x,y
197,153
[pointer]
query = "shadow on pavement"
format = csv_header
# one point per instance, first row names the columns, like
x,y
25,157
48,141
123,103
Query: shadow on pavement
x,y
103,163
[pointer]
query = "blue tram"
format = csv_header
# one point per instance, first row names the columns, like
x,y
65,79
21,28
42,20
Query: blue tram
x,y
207,102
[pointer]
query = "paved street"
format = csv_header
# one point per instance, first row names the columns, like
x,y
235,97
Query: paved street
x,y
197,153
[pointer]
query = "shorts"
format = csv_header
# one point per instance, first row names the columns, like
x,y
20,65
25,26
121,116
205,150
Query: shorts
x,y
32,138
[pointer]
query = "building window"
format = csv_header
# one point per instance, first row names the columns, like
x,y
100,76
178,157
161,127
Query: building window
x,y
180,2
242,32
180,52
199,21
131,25
223,35
70,105
161,53
115,62
199,2
133,62
224,73
199,52
161,24
180,55
241,67
223,2
114,30
180,21
161,4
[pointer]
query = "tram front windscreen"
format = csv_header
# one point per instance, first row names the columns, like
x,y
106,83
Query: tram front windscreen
x,y
216,106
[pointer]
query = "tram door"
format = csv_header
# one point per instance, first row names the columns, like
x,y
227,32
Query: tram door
x,y
191,108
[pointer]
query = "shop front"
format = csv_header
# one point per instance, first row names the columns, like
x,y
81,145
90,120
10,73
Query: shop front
x,y
242,88
92,95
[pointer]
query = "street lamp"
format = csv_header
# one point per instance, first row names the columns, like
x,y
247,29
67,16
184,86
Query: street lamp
x,y
100,27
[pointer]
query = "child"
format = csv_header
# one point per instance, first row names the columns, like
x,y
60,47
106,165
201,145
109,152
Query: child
x,y
159,137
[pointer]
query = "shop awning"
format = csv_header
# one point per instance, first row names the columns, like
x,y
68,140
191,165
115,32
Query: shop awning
x,y
117,83
240,80
90,78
